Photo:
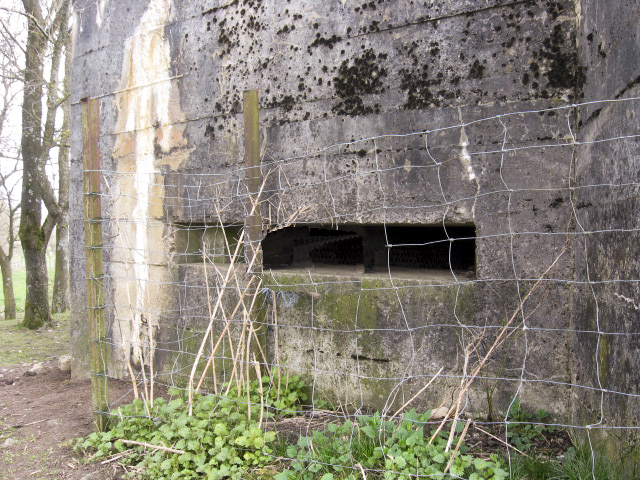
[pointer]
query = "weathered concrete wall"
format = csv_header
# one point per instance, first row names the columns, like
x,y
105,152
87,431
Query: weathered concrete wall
x,y
170,78
608,353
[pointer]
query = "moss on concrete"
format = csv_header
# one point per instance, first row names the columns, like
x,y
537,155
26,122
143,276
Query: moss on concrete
x,y
367,328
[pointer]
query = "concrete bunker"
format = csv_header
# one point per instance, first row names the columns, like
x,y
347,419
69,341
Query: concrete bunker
x,y
347,147
197,241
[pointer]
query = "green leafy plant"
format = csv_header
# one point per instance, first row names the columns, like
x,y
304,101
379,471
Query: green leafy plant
x,y
523,429
281,395
219,440
397,450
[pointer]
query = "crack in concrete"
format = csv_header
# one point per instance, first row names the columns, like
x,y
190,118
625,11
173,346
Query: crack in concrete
x,y
436,19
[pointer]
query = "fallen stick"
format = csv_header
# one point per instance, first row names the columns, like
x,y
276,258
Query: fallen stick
x,y
155,447
22,425
508,445
117,456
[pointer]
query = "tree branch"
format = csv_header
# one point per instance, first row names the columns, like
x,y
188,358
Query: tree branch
x,y
47,228
33,13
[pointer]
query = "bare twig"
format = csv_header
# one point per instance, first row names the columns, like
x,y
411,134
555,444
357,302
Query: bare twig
x,y
408,402
22,425
117,456
500,338
155,447
508,445
455,450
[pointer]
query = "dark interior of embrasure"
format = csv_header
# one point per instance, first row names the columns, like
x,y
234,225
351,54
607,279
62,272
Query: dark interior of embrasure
x,y
374,247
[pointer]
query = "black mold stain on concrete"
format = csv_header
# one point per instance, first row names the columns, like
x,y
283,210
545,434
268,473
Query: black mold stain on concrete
x,y
555,9
558,52
321,41
361,76
416,84
477,70
556,202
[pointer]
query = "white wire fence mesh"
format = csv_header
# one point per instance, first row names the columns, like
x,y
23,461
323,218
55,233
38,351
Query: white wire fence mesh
x,y
459,269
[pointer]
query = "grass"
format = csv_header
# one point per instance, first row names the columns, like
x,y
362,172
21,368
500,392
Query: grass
x,y
19,289
20,284
578,463
20,345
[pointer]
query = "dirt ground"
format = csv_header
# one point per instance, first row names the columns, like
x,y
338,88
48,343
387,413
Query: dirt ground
x,y
40,415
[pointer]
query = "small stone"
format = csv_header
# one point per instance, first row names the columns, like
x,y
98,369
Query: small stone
x,y
37,368
90,476
64,363
8,442
438,413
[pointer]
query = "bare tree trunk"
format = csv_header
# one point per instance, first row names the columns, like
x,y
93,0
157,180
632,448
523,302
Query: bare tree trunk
x,y
36,309
36,306
38,132
7,287
60,300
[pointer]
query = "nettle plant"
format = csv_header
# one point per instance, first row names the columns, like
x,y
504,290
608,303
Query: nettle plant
x,y
220,439
524,429
387,450
223,439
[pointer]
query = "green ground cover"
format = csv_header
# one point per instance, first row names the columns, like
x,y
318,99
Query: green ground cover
x,y
20,345
19,289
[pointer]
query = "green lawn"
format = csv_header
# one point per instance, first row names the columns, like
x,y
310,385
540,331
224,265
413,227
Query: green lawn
x,y
19,289
20,345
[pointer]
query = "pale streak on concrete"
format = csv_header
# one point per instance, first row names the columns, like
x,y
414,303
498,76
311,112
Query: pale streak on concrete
x,y
628,300
150,136
465,158
102,6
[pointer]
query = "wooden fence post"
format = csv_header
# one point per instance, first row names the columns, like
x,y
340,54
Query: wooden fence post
x,y
93,254
253,221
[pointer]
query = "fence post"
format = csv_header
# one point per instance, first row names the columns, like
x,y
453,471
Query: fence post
x,y
253,221
93,249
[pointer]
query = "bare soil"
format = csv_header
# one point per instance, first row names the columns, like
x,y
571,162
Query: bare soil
x,y
40,416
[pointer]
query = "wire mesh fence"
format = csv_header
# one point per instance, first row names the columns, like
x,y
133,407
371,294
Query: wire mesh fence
x,y
451,281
